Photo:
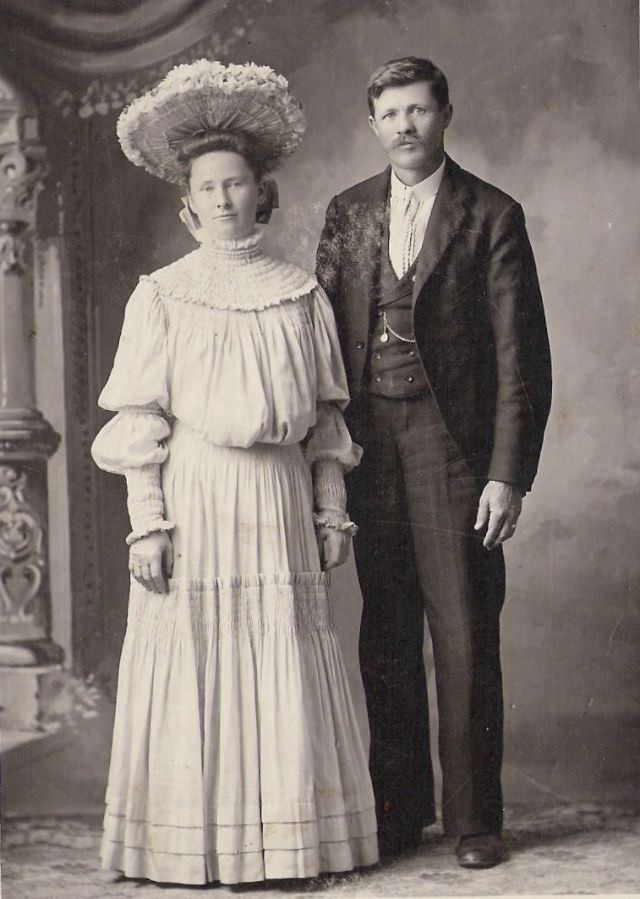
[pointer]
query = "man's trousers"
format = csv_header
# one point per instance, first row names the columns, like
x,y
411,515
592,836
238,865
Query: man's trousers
x,y
415,499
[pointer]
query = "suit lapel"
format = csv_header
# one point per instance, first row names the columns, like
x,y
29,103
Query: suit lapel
x,y
446,218
368,235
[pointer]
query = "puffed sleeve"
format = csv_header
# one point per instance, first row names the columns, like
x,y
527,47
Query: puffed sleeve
x,y
133,442
330,437
329,448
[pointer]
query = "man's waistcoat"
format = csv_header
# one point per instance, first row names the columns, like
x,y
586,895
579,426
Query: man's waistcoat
x,y
394,367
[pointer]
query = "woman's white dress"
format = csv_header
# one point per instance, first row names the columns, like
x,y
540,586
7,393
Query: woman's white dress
x,y
236,753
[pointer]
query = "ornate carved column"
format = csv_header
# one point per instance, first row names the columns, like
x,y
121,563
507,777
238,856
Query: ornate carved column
x,y
26,438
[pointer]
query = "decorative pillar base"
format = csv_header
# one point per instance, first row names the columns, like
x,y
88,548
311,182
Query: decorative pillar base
x,y
26,441
27,653
23,695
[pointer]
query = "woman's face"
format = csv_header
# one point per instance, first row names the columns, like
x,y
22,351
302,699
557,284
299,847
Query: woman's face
x,y
223,192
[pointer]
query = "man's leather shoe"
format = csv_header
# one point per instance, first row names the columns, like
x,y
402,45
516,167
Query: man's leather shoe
x,y
480,850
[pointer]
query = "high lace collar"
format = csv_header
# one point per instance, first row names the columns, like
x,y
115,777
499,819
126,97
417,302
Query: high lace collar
x,y
233,274
240,249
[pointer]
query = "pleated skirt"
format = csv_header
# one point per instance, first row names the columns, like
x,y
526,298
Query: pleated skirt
x,y
236,753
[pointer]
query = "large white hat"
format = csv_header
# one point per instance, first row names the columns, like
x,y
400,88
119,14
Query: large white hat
x,y
203,96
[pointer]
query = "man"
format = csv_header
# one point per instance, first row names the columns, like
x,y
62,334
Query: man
x,y
436,296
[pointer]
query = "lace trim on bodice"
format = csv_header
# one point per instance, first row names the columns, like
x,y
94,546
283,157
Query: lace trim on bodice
x,y
233,274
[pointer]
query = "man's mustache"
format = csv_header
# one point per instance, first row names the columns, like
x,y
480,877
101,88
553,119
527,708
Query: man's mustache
x,y
399,141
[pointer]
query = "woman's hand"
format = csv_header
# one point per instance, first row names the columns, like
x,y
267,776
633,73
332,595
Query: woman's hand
x,y
151,561
334,547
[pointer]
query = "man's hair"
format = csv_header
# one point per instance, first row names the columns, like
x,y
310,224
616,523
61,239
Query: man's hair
x,y
408,70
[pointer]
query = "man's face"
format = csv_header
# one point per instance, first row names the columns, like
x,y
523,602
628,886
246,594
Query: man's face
x,y
410,126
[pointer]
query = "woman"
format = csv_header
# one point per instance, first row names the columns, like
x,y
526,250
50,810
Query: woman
x,y
236,755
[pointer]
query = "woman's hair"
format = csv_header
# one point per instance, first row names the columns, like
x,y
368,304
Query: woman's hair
x,y
408,70
232,141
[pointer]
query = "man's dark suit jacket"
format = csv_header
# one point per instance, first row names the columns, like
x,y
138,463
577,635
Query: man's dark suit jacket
x,y
478,314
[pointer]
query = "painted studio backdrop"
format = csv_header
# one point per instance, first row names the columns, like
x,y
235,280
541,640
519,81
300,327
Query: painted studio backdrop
x,y
546,105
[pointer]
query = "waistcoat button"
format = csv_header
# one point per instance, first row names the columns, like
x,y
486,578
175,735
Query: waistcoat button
x,y
410,379
360,345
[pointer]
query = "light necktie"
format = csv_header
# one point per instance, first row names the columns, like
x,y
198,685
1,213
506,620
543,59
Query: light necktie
x,y
409,232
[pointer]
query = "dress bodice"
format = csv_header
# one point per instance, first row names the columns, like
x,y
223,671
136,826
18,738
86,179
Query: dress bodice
x,y
235,344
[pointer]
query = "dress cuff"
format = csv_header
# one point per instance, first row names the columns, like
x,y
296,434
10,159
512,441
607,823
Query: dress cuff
x,y
340,522
329,492
330,497
145,502
153,527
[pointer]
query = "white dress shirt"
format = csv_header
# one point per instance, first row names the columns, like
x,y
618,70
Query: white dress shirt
x,y
409,214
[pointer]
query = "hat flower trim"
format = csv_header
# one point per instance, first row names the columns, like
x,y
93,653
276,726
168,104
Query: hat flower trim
x,y
252,81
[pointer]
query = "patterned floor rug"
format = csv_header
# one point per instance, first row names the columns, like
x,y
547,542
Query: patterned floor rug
x,y
585,848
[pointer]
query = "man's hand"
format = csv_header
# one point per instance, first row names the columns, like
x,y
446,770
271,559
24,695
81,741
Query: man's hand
x,y
498,510
151,561
333,546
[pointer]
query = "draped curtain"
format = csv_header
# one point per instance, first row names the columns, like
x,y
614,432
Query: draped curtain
x,y
106,36
91,57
